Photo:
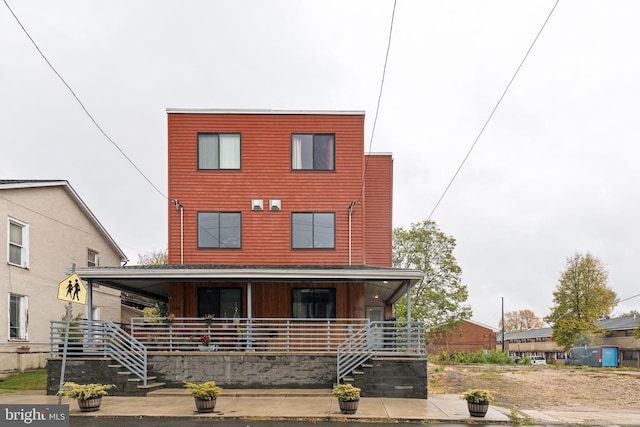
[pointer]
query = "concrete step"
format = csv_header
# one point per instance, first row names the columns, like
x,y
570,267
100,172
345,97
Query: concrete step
x,y
182,392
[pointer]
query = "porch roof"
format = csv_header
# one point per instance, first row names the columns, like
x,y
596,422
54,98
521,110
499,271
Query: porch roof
x,y
389,284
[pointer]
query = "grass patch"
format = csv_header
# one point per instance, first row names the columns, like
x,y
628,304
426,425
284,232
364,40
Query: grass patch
x,y
31,380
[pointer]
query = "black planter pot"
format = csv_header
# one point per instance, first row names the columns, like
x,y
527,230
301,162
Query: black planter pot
x,y
477,409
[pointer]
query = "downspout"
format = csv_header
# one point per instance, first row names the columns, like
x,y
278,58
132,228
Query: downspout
x,y
180,209
350,212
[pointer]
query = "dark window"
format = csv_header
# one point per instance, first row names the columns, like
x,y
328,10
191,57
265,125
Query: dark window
x,y
222,303
218,151
219,230
316,303
313,230
313,152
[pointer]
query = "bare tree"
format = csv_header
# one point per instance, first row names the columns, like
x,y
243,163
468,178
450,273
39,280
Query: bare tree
x,y
520,320
154,258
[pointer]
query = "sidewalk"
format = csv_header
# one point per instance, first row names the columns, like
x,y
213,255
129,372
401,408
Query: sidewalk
x,y
320,404
271,403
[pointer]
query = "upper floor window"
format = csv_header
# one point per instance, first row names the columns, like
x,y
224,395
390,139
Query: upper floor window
x,y
18,243
311,230
92,258
17,317
219,230
218,151
313,152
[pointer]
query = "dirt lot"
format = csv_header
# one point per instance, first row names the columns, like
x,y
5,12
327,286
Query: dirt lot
x,y
541,387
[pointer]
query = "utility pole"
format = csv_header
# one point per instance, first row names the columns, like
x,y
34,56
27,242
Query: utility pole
x,y
502,324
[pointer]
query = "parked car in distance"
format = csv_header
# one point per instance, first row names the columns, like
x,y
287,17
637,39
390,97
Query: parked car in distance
x,y
538,360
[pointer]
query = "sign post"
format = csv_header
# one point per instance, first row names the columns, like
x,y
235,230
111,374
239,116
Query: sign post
x,y
71,289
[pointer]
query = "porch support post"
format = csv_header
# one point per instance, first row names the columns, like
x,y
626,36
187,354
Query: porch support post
x,y
408,301
409,315
249,314
90,312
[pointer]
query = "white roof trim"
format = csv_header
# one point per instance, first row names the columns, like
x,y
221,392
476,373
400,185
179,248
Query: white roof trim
x,y
265,111
83,207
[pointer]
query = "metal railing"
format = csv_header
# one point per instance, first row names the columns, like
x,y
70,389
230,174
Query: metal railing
x,y
99,338
241,334
389,338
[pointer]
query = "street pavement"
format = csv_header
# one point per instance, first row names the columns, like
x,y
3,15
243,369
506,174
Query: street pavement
x,y
321,405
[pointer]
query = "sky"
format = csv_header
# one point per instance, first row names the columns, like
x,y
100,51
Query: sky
x,y
554,172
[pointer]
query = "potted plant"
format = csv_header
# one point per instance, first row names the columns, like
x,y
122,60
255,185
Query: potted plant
x,y
205,344
204,394
477,401
348,398
75,337
89,396
23,349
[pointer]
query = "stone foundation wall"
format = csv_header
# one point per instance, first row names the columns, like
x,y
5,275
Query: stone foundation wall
x,y
393,377
246,370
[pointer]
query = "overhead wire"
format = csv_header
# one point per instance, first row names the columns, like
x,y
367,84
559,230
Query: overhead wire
x,y
384,72
493,111
93,120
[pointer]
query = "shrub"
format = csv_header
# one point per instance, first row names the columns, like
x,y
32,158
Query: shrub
x,y
346,392
203,391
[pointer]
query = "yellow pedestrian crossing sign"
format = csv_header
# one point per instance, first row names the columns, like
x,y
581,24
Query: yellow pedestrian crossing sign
x,y
72,289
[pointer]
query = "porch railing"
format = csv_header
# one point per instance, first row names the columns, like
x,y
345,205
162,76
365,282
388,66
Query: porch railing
x,y
99,338
389,338
241,334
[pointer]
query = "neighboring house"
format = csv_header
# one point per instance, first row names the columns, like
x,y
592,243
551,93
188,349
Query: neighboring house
x,y
280,239
538,341
46,229
469,337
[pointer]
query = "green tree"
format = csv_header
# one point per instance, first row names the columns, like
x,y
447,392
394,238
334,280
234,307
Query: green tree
x,y
439,300
520,320
581,298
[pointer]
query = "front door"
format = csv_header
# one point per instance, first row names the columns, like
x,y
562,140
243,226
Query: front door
x,y
376,335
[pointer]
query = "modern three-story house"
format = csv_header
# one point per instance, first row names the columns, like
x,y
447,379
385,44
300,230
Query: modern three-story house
x,y
280,244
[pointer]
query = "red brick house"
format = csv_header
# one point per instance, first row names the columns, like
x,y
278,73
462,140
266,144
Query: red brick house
x,y
470,337
280,233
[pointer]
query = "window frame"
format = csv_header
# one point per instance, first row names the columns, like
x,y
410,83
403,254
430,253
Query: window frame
x,y
313,304
23,246
237,312
21,333
220,214
218,168
313,231
313,168
95,262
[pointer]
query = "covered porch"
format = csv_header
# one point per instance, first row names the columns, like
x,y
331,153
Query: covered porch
x,y
327,320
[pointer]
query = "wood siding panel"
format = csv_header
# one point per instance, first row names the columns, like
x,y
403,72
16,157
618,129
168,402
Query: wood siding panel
x,y
269,300
378,210
265,174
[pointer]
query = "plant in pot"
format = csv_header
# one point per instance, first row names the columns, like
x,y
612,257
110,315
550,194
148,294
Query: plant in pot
x,y
89,396
348,398
477,401
204,394
76,336
205,344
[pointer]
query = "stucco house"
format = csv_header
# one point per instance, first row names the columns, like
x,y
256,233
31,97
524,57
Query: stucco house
x,y
47,229
280,255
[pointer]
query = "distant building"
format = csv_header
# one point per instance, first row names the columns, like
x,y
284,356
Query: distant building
x,y
46,229
538,341
470,337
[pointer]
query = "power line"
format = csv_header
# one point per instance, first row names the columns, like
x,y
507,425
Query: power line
x,y
384,72
80,102
493,111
